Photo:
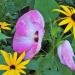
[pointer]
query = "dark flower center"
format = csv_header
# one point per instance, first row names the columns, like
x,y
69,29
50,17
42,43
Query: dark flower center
x,y
36,37
12,67
0,26
73,17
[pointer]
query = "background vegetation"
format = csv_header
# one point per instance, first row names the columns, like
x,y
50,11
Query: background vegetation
x,y
47,61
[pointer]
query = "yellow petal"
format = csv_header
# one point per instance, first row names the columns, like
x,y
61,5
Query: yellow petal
x,y
23,72
6,28
24,62
17,72
5,73
6,57
74,30
65,8
72,10
20,67
61,11
15,57
11,59
12,72
4,67
21,57
69,26
5,25
65,21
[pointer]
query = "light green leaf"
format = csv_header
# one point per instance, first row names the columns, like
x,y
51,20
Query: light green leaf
x,y
55,31
46,8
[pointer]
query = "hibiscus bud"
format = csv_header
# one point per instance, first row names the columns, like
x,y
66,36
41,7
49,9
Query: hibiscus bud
x,y
66,54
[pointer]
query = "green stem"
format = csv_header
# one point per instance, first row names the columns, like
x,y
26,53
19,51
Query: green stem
x,y
67,36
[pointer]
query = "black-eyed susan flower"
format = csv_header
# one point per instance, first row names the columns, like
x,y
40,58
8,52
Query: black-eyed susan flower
x,y
69,18
4,26
14,66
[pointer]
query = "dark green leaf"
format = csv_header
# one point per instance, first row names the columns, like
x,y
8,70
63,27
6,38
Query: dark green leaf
x,y
3,36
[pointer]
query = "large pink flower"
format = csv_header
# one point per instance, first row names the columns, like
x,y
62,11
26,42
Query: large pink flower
x,y
66,54
29,33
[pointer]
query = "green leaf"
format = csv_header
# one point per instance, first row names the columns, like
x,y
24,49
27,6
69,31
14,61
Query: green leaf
x,y
73,44
33,65
50,65
55,31
51,72
3,36
2,61
12,6
46,8
47,32
20,4
69,2
1,8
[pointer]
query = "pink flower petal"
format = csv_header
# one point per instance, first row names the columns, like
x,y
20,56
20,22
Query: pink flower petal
x,y
29,33
66,54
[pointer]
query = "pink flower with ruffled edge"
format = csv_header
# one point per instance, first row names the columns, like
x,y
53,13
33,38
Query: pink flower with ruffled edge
x,y
29,33
66,54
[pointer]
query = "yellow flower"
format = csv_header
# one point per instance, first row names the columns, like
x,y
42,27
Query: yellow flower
x,y
15,65
69,18
5,26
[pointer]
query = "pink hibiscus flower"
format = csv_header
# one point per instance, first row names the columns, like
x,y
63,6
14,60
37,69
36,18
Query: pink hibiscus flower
x,y
29,33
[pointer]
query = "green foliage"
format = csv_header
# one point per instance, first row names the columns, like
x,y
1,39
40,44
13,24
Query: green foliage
x,y
1,62
3,36
46,8
10,8
69,2
73,44
46,63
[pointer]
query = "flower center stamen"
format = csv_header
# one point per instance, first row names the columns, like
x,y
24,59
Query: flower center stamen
x,y
12,67
73,17
36,37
